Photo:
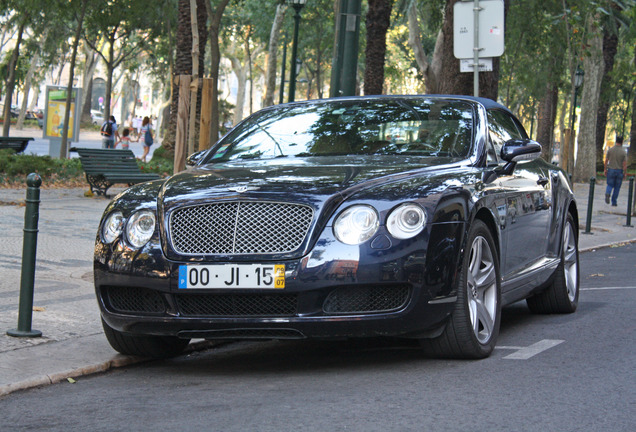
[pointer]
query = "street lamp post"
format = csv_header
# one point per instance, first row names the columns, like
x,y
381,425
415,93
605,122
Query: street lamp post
x,y
298,5
578,82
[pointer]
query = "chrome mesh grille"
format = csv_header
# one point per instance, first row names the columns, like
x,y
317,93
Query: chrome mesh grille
x,y
134,300
366,299
239,227
252,305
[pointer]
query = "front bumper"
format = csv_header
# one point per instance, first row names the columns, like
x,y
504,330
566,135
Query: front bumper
x,y
334,291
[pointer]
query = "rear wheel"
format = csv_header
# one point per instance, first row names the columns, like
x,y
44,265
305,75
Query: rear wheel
x,y
474,326
144,346
562,296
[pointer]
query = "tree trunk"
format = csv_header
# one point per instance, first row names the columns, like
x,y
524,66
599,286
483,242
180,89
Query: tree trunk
x,y
442,73
547,115
240,71
11,83
69,88
183,61
610,45
87,89
215,61
585,166
378,20
274,36
110,69
27,89
194,86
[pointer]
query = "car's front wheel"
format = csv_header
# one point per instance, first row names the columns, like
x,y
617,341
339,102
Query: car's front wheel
x,y
474,326
562,296
144,346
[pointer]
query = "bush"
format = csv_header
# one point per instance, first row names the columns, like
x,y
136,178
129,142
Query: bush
x,y
14,167
160,163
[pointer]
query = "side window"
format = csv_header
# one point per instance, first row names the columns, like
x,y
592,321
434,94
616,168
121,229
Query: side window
x,y
501,128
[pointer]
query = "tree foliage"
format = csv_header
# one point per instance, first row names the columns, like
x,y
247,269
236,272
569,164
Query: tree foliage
x,y
545,43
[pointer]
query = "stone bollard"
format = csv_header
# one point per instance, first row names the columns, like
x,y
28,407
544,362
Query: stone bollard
x,y
29,246
590,204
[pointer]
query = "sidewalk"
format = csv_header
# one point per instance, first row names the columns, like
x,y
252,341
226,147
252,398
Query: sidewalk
x,y
65,310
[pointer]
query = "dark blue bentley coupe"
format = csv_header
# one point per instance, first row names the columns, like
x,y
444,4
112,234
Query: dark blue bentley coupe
x,y
411,216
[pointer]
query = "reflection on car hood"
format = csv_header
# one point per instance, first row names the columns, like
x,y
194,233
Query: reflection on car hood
x,y
296,179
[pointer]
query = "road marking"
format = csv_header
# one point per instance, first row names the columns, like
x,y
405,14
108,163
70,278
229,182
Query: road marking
x,y
524,353
607,288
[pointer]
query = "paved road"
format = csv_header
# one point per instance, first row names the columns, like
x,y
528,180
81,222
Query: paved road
x,y
549,373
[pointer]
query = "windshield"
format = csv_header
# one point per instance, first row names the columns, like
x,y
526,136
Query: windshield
x,y
410,126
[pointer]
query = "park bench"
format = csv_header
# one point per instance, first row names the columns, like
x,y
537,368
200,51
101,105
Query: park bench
x,y
106,167
18,144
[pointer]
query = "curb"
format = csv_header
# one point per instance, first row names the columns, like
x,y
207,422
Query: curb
x,y
118,361
607,245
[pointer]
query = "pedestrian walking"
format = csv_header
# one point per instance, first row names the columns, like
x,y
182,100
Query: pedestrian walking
x,y
109,133
146,133
615,170
125,139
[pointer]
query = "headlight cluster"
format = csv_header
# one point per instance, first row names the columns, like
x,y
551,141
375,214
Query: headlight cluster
x,y
359,223
138,229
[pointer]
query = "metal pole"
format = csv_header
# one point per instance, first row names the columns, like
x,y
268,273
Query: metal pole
x,y
292,75
476,49
350,51
628,223
31,216
590,204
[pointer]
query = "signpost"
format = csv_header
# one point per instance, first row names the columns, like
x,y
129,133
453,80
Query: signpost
x,y
478,35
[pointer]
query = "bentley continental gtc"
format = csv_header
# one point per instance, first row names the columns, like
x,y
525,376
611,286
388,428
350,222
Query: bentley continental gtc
x,y
405,217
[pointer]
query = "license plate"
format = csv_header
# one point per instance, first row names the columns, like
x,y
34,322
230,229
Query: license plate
x,y
232,276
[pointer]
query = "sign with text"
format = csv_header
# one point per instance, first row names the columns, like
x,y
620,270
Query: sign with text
x,y
466,65
491,29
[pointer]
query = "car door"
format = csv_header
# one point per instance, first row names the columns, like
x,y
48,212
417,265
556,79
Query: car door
x,y
525,201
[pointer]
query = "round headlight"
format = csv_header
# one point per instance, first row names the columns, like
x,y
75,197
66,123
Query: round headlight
x,y
406,221
140,228
356,224
113,226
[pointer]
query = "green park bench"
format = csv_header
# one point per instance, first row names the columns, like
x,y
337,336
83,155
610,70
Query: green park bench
x,y
106,167
17,144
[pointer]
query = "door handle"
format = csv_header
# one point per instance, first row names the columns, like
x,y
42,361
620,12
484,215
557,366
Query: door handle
x,y
543,181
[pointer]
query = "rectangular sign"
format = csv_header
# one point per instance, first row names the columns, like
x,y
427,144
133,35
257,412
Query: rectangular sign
x,y
246,276
466,65
491,29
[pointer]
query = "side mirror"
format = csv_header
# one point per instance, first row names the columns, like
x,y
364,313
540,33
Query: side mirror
x,y
516,150
194,158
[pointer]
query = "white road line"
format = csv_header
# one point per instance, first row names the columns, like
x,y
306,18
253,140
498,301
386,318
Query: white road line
x,y
524,353
608,288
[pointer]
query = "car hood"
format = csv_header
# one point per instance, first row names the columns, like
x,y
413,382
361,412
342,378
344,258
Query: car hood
x,y
302,180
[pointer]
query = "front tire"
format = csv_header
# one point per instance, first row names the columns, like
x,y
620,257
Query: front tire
x,y
144,346
562,296
473,328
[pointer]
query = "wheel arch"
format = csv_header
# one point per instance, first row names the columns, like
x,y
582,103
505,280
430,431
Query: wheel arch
x,y
486,216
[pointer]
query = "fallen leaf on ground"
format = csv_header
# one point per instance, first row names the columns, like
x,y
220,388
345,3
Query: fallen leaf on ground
x,y
598,275
39,309
71,380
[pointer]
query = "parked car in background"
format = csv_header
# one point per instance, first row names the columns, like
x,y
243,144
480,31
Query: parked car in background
x,y
404,216
97,117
